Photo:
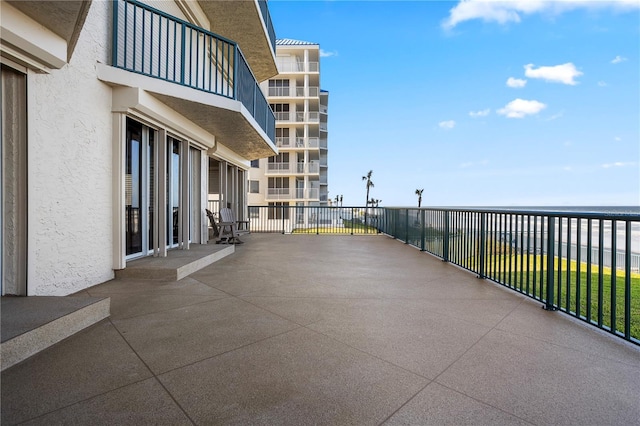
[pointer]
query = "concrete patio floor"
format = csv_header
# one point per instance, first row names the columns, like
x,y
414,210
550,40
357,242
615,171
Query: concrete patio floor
x,y
305,329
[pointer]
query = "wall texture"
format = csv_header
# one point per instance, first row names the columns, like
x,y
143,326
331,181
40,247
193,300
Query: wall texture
x,y
70,165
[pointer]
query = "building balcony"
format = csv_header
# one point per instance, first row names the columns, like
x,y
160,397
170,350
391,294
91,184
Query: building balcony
x,y
249,24
297,116
292,168
291,67
294,92
288,142
323,127
199,74
323,143
291,194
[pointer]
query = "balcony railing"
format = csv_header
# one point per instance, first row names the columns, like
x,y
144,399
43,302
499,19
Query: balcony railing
x,y
586,265
297,142
266,16
279,168
291,194
153,43
297,116
297,66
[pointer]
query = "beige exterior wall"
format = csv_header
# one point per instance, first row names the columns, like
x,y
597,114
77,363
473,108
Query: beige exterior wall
x,y
70,168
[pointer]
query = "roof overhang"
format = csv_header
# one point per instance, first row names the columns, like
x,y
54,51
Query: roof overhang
x,y
242,22
226,119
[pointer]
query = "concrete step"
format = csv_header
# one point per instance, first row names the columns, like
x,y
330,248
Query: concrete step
x,y
32,324
177,265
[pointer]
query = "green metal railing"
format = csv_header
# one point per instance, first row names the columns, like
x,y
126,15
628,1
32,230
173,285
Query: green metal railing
x,y
287,219
266,16
153,43
584,264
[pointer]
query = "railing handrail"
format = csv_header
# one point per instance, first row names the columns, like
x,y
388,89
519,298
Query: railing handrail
x,y
231,84
582,263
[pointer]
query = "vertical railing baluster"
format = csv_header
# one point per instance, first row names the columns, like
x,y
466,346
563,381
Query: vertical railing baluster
x,y
447,235
422,230
578,267
483,243
558,283
549,305
589,262
614,252
600,271
627,280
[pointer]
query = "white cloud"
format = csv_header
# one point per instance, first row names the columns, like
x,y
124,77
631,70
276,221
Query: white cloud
x,y
602,84
504,12
564,73
449,124
618,59
326,54
518,108
482,113
618,164
516,82
617,138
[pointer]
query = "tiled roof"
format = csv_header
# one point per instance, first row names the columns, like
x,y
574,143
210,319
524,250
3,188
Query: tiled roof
x,y
291,42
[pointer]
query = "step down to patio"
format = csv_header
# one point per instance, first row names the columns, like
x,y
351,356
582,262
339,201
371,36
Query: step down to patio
x,y
32,324
177,265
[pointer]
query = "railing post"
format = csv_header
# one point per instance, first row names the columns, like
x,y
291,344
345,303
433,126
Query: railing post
x,y
551,231
235,72
183,60
422,230
406,226
282,215
483,244
447,235
317,220
114,41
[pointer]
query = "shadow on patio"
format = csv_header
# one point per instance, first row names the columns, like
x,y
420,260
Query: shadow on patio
x,y
303,329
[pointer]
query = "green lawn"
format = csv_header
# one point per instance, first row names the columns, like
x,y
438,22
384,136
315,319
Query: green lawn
x,y
575,291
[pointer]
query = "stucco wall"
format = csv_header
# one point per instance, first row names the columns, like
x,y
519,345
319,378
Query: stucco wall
x,y
70,137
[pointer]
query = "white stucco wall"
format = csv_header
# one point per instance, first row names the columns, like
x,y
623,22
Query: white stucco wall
x,y
70,206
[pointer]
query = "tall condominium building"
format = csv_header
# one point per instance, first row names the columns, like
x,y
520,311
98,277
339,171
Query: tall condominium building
x,y
297,176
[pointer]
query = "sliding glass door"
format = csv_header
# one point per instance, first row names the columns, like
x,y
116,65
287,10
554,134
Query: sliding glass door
x,y
139,189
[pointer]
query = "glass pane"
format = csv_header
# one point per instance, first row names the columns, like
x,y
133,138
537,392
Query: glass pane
x,y
133,188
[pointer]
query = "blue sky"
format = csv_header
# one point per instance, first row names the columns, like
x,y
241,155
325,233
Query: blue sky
x,y
513,103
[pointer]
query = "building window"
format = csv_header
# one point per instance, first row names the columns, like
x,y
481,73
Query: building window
x,y
276,210
281,111
255,164
278,87
254,212
254,186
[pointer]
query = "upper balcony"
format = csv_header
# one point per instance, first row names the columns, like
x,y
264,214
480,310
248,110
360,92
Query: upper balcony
x,y
201,75
291,168
298,142
248,22
298,116
291,67
294,92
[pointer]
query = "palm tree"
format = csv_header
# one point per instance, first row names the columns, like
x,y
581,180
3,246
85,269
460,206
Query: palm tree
x,y
369,185
419,194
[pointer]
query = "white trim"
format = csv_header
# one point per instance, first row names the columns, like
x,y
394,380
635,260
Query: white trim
x,y
119,229
137,102
42,48
194,13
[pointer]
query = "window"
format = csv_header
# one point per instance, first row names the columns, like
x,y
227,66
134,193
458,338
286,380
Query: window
x,y
254,186
279,182
283,157
255,164
276,211
281,111
278,87
254,212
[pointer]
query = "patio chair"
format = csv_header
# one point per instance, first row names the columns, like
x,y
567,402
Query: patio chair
x,y
213,224
230,226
